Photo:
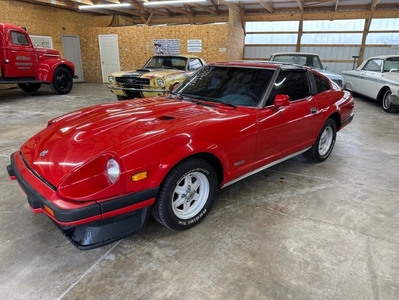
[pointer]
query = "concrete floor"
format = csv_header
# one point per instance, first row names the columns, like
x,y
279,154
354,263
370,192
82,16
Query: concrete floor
x,y
295,231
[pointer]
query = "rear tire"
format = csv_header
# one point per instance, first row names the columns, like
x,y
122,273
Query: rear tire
x,y
29,87
324,144
387,104
62,81
186,195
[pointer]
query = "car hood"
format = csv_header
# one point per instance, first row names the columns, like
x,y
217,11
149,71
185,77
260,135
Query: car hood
x,y
81,136
146,73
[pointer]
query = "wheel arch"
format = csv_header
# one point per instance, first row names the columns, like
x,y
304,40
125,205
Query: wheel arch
x,y
212,159
337,119
46,69
348,86
173,84
382,92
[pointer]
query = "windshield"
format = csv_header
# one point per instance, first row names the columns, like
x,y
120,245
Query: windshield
x,y
166,62
229,85
312,61
391,64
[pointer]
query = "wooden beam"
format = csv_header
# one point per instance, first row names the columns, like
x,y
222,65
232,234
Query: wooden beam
x,y
149,19
336,5
374,3
206,8
61,4
300,4
196,19
364,37
268,5
299,37
337,15
230,5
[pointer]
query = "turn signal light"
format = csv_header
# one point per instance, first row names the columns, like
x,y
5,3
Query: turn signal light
x,y
49,210
139,176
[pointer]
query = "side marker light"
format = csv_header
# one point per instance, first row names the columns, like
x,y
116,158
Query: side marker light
x,y
139,176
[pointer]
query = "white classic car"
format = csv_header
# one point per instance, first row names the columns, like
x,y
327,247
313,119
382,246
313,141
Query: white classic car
x,y
376,78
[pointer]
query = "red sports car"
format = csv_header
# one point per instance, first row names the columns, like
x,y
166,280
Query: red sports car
x,y
99,172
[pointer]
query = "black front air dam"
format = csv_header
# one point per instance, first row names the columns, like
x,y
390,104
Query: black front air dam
x,y
99,233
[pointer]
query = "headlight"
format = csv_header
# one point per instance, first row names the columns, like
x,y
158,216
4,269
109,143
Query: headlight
x,y
113,170
160,82
111,79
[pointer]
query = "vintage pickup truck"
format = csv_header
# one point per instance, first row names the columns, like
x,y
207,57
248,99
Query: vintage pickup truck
x,y
29,67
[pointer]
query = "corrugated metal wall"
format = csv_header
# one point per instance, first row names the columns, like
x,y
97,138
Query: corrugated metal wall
x,y
336,59
336,42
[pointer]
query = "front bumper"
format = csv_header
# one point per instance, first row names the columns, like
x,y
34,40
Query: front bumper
x,y
86,224
347,120
149,89
394,99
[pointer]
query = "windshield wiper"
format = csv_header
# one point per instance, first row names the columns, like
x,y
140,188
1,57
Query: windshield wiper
x,y
176,95
192,98
217,101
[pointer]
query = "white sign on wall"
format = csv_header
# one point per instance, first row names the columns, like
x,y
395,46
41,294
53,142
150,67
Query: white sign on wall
x,y
166,46
194,46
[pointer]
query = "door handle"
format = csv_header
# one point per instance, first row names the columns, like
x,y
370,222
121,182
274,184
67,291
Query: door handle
x,y
313,110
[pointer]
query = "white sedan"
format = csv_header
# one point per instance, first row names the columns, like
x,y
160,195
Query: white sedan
x,y
376,78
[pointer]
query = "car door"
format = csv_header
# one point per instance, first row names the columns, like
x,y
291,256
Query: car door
x,y
371,75
285,130
21,55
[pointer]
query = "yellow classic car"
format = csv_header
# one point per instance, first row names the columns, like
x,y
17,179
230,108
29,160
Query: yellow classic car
x,y
159,76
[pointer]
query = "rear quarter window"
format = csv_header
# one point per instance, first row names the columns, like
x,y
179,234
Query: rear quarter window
x,y
322,84
295,84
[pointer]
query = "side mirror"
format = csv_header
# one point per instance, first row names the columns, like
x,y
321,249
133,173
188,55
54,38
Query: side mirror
x,y
281,100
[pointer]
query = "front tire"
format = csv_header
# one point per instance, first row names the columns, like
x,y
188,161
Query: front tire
x,y
29,87
387,104
324,144
62,81
186,195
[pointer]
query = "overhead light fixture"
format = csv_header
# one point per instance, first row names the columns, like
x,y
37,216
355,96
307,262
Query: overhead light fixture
x,y
104,6
168,2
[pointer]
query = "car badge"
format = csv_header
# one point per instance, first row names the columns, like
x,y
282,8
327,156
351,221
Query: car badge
x,y
131,80
43,153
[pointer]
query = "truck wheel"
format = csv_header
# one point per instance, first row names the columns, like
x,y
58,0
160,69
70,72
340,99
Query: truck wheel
x,y
29,87
62,81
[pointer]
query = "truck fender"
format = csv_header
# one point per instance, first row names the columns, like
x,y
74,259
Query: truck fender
x,y
47,67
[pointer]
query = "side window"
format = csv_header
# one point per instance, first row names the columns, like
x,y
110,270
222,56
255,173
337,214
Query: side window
x,y
291,83
391,64
317,63
18,38
321,83
194,64
373,65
